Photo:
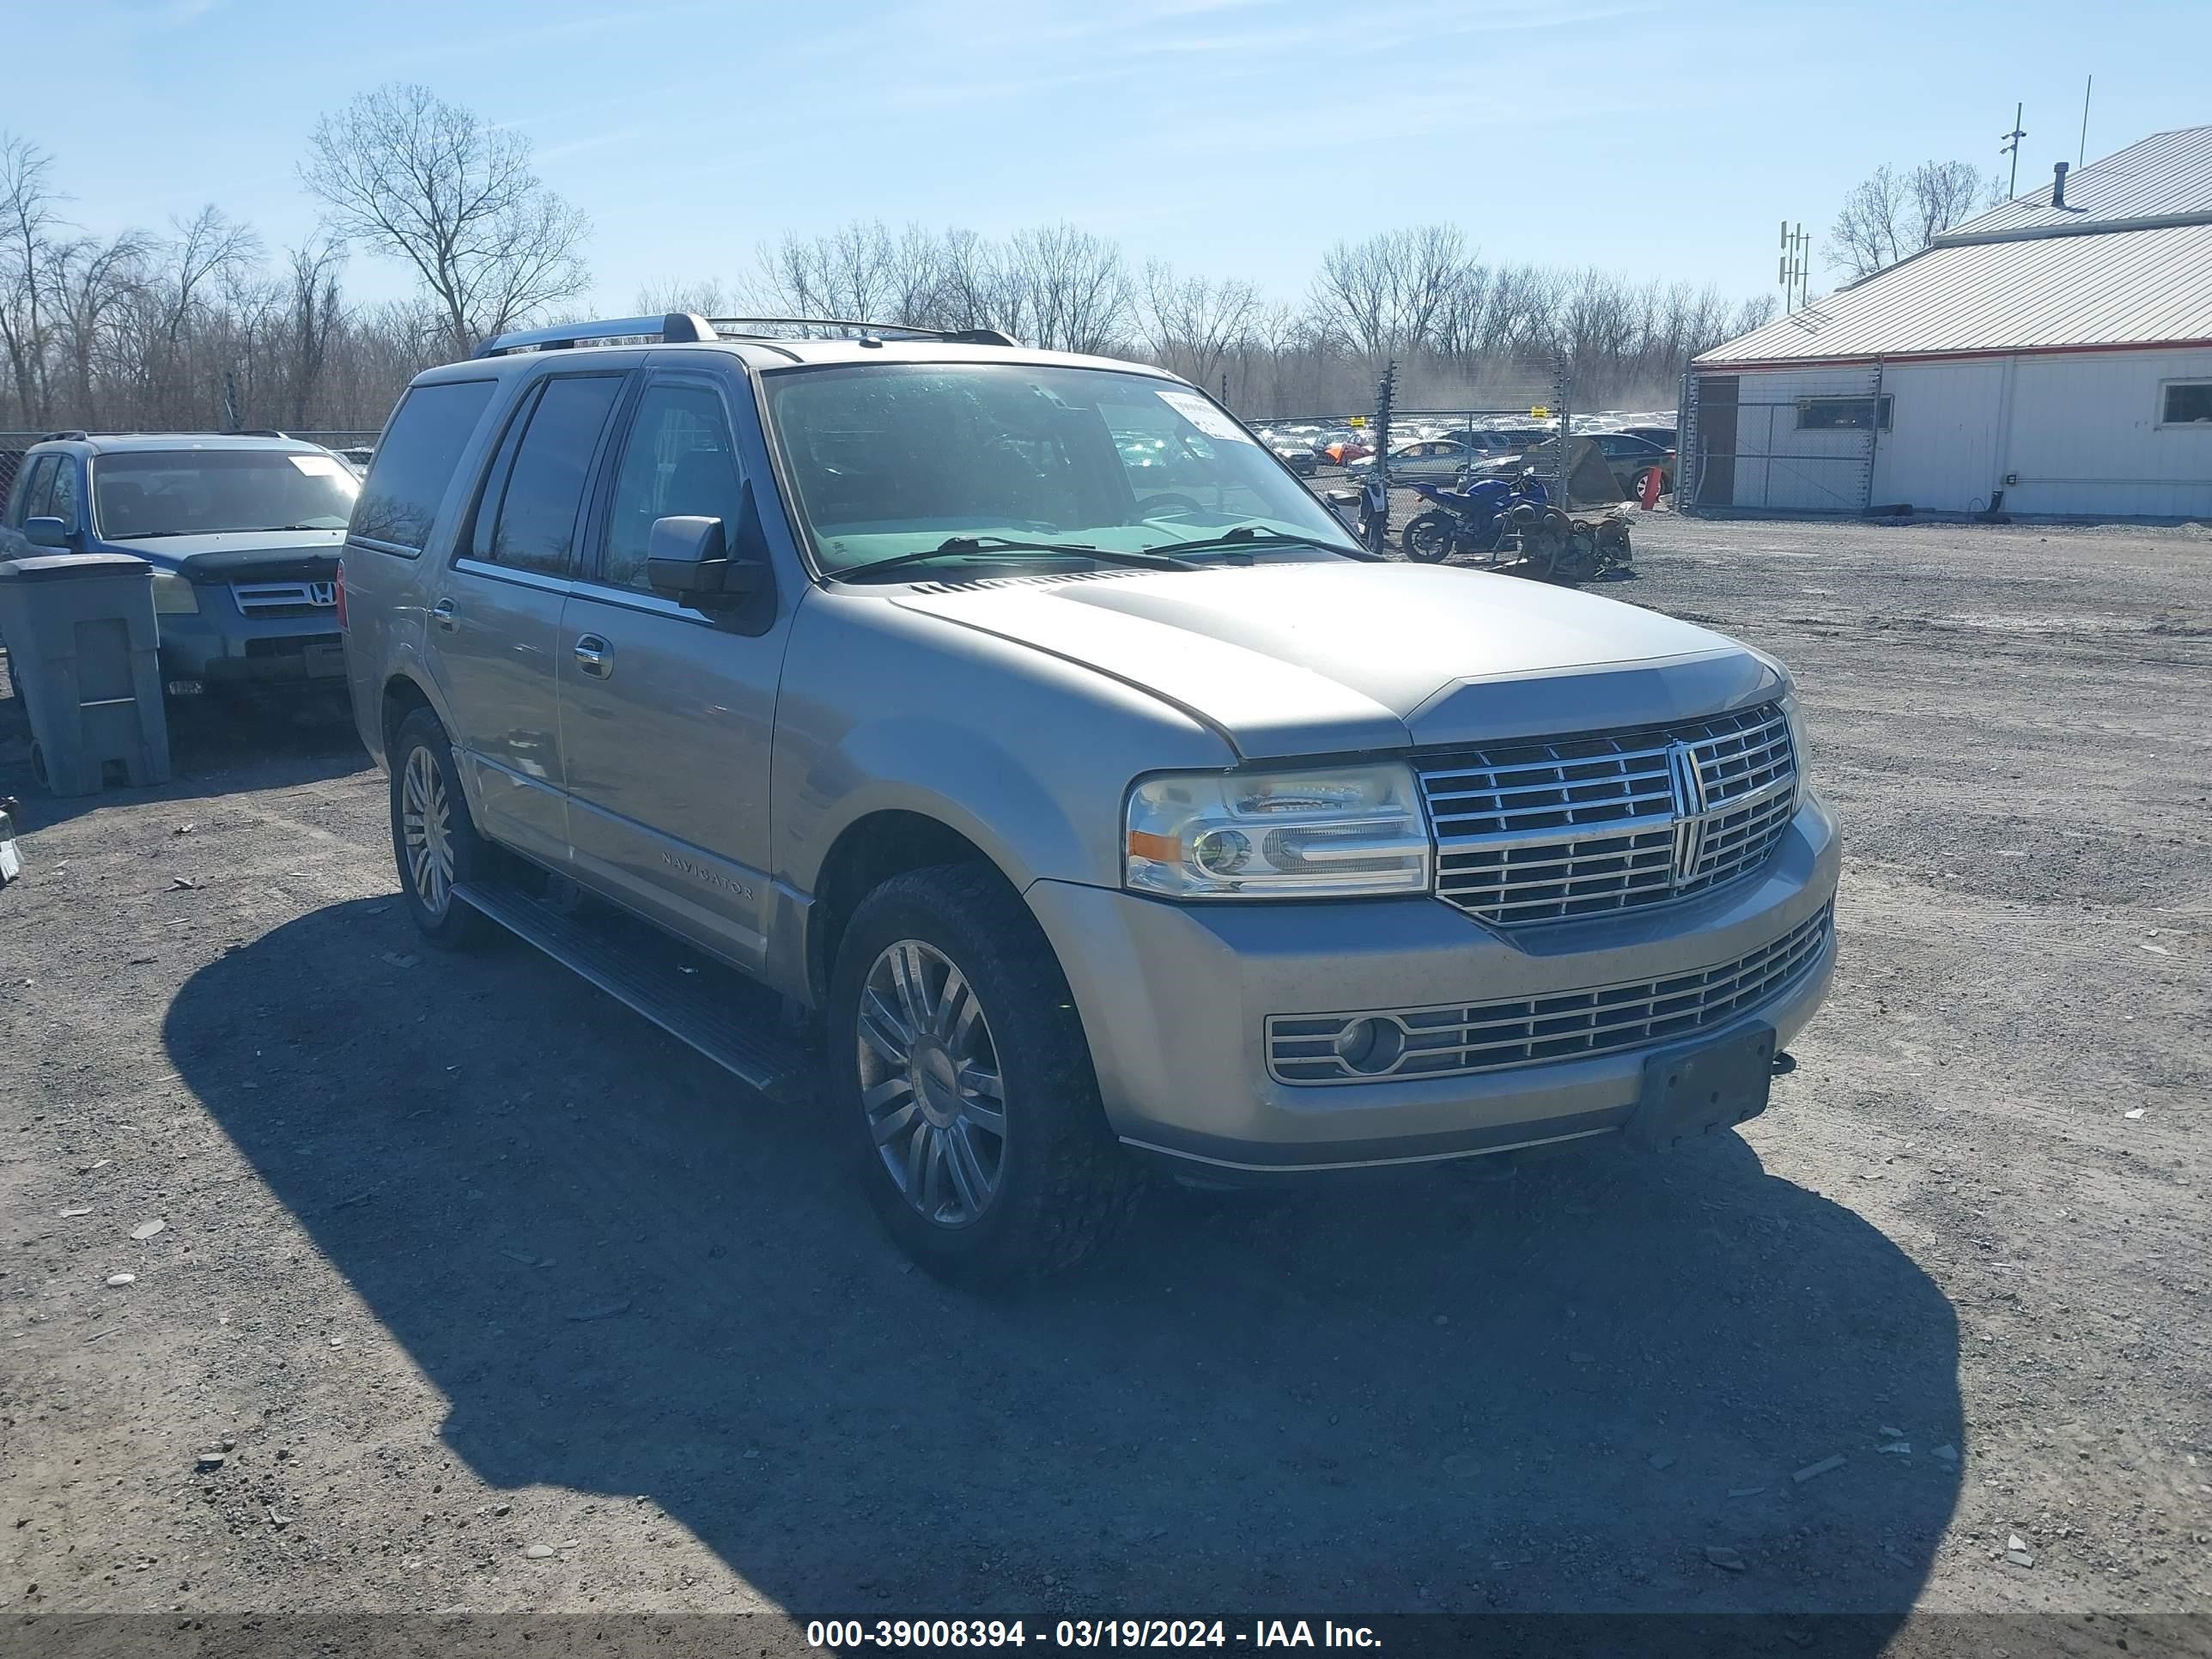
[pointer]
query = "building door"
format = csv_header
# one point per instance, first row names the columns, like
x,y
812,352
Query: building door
x,y
1716,395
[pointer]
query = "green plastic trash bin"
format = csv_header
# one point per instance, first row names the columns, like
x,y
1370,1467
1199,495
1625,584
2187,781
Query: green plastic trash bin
x,y
82,652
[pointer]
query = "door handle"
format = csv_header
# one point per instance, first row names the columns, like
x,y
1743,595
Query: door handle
x,y
593,657
442,614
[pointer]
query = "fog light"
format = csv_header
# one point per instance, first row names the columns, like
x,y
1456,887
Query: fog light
x,y
186,688
1369,1046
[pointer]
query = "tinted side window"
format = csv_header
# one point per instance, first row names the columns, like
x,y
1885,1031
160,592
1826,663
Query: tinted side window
x,y
537,524
678,462
416,460
29,486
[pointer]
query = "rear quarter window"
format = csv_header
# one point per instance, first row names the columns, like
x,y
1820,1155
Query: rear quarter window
x,y
416,461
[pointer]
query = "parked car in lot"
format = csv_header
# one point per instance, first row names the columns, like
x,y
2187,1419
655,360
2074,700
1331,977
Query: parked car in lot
x,y
1433,460
1087,820
243,533
1628,457
1301,458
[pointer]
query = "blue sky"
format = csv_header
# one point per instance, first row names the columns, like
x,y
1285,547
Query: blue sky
x,y
1231,136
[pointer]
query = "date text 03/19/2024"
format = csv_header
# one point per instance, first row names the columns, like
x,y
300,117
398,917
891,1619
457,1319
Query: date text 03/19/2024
x,y
1086,1633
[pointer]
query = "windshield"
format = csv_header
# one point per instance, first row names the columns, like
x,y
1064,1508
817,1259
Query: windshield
x,y
896,460
193,492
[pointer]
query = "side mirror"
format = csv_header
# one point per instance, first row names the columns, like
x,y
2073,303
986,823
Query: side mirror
x,y
686,559
44,531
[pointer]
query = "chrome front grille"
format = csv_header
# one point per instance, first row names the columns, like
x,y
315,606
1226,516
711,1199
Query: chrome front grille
x,y
1543,830
1496,1036
301,598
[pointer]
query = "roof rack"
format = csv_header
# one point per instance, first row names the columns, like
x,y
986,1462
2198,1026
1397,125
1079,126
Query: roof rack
x,y
674,328
67,432
684,328
757,327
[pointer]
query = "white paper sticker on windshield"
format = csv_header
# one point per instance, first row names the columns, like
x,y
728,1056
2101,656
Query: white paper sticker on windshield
x,y
317,466
1204,415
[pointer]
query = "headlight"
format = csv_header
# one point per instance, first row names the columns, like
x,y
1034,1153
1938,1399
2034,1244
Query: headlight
x,y
1318,832
173,596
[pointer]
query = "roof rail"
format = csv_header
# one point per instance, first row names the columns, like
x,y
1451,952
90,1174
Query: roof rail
x,y
674,328
67,432
683,328
260,432
752,327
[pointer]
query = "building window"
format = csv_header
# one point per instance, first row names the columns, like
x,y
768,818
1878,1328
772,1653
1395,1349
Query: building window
x,y
2185,402
1842,414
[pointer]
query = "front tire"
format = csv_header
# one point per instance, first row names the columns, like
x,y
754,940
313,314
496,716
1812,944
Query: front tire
x,y
433,841
965,1086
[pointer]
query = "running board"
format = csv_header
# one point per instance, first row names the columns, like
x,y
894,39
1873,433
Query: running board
x,y
726,1016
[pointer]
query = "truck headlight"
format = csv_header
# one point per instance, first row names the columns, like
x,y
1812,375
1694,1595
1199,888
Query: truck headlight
x,y
1319,832
173,596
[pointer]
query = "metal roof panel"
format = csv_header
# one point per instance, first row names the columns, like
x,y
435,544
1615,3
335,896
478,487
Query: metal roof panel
x,y
2167,175
2118,288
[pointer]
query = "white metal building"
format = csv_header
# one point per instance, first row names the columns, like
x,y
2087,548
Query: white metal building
x,y
2053,356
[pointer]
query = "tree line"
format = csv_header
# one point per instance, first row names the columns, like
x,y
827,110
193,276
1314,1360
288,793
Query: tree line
x,y
201,324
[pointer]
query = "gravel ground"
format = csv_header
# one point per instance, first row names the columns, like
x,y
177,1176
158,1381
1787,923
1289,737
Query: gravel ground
x,y
473,1291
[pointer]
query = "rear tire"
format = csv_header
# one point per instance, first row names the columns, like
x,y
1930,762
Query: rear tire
x,y
945,991
433,841
1428,539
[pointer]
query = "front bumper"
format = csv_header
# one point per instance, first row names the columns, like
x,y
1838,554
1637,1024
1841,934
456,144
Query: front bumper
x,y
218,651
1176,1000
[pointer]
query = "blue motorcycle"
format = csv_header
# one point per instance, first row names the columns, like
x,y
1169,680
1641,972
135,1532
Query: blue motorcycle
x,y
1481,518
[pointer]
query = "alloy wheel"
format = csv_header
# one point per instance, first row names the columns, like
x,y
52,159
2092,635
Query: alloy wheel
x,y
426,827
930,1083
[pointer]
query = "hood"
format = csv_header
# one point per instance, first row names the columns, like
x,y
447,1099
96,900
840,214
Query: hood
x,y
241,555
1322,659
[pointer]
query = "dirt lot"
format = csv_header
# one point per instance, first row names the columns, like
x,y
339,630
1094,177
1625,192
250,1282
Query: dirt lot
x,y
489,1296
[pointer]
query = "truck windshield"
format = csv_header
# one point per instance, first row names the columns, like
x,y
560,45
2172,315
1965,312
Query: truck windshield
x,y
894,460
195,492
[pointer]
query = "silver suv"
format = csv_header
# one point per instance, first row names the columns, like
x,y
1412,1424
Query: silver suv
x,y
1062,811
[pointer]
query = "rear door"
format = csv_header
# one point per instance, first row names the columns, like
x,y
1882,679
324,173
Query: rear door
x,y
494,637
666,714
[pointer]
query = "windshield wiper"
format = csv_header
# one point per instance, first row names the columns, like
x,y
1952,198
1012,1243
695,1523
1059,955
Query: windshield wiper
x,y
1249,536
957,544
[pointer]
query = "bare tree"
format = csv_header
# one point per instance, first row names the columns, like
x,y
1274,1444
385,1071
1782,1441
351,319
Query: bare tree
x,y
1192,323
706,298
1886,218
27,222
90,284
412,177
1870,232
1943,193
1074,285
313,318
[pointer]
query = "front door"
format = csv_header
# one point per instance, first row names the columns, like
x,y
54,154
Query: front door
x,y
667,716
495,636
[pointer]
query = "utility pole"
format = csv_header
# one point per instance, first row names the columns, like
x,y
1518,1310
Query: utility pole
x,y
2011,146
1794,265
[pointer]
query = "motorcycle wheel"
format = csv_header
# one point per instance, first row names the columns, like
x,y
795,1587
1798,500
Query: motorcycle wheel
x,y
1428,539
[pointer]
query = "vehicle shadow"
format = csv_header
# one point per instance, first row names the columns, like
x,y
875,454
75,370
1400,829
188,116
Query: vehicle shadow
x,y
215,747
1589,1388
